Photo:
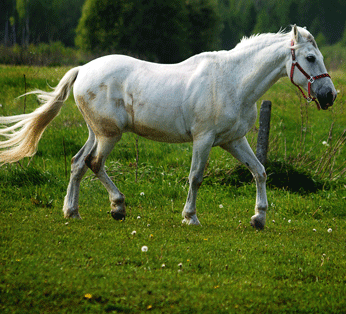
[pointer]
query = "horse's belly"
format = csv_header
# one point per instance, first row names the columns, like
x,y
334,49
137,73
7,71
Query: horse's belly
x,y
160,134
159,127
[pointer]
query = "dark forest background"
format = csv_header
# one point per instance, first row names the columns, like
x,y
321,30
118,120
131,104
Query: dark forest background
x,y
72,31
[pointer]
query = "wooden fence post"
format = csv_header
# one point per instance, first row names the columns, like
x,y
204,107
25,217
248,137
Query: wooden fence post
x,y
263,133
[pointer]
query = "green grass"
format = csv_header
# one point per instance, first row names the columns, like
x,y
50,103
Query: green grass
x,y
52,265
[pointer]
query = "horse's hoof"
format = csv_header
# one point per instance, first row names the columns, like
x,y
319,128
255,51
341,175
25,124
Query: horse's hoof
x,y
74,215
117,215
191,221
257,222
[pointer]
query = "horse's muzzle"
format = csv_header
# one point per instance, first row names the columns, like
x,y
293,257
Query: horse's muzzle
x,y
326,100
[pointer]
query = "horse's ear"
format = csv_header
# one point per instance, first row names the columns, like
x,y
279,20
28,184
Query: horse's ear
x,y
296,35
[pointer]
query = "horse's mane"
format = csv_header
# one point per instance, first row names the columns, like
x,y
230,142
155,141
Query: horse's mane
x,y
260,38
249,41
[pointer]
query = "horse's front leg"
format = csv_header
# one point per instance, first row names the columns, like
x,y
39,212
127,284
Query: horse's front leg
x,y
201,149
241,150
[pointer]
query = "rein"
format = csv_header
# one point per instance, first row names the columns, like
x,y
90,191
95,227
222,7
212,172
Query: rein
x,y
311,79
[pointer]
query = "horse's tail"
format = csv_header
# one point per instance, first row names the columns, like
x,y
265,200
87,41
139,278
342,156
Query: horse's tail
x,y
24,135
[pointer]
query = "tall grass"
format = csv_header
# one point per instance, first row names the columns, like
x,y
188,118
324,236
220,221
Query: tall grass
x,y
43,54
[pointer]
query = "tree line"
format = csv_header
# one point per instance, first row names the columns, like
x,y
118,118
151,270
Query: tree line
x,y
161,30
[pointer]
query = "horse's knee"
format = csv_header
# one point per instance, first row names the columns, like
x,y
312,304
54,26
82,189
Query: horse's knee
x,y
261,175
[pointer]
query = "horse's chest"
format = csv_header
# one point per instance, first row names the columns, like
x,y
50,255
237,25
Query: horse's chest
x,y
236,125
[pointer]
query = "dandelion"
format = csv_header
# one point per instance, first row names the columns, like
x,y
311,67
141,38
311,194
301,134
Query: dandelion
x,y
149,307
142,194
151,236
88,296
133,232
144,248
220,206
330,230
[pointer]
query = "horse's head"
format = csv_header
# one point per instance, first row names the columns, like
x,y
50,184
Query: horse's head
x,y
306,69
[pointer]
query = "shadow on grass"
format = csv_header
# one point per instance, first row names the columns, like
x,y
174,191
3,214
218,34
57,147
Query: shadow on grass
x,y
20,177
279,175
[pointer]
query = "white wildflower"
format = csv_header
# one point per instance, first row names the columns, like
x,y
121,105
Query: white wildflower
x,y
141,194
325,143
220,206
144,248
330,230
133,232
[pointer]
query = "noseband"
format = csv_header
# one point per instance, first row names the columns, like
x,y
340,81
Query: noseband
x,y
311,79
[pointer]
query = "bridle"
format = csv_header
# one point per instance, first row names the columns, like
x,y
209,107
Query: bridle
x,y
311,79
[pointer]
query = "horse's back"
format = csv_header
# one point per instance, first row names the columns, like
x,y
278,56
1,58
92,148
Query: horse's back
x,y
138,96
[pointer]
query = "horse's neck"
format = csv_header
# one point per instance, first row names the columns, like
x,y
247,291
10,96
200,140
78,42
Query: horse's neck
x,y
263,64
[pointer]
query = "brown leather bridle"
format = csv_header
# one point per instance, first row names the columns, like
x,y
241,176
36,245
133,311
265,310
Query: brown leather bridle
x,y
311,79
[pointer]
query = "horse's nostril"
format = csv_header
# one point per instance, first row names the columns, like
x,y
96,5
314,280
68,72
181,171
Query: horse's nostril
x,y
330,97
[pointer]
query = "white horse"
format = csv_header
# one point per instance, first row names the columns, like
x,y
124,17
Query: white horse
x,y
209,100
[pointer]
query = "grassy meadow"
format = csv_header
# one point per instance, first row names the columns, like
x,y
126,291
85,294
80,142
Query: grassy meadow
x,y
297,264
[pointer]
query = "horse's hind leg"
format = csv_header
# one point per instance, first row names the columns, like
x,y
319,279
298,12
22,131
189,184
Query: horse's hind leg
x,y
95,161
241,150
78,169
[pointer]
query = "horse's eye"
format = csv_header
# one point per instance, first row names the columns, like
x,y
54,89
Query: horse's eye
x,y
311,58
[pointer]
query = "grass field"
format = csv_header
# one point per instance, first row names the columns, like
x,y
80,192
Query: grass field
x,y
297,264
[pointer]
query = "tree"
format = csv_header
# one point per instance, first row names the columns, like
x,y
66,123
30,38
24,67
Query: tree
x,y
204,25
160,30
7,20
34,21
23,13
157,29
